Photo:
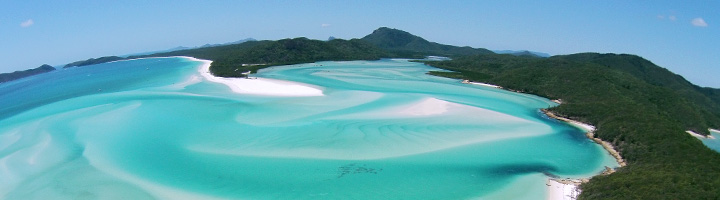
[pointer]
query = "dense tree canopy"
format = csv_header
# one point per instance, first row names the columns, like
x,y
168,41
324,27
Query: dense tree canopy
x,y
399,43
639,107
22,74
93,61
233,60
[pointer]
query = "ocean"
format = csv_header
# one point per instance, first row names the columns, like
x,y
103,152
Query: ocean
x,y
157,129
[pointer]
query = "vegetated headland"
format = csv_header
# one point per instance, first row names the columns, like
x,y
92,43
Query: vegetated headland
x,y
639,108
6,77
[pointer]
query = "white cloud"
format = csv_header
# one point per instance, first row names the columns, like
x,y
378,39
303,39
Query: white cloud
x,y
661,17
672,17
324,25
27,23
699,22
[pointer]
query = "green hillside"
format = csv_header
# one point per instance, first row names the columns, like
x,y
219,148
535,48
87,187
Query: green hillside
x,y
639,107
384,42
706,98
5,77
234,59
399,43
93,61
228,60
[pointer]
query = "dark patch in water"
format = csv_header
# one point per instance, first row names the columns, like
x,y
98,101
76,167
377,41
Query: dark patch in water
x,y
355,168
517,169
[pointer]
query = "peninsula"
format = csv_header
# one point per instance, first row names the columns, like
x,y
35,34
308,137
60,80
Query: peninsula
x,y
5,77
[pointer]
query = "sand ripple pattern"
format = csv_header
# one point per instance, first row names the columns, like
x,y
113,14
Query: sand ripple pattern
x,y
157,129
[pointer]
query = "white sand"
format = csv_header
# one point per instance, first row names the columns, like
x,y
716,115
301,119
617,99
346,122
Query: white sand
x,y
590,132
702,136
259,86
394,144
482,84
695,134
428,106
156,190
485,84
560,191
190,81
255,86
39,148
585,127
29,161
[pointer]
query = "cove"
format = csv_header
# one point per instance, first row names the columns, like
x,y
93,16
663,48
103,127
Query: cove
x,y
157,129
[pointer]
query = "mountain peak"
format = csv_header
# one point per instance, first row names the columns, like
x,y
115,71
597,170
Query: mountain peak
x,y
385,37
46,66
523,53
404,44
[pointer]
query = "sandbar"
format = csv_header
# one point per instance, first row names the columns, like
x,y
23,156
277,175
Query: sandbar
x,y
481,84
259,86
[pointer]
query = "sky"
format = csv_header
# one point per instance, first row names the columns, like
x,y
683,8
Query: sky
x,y
682,36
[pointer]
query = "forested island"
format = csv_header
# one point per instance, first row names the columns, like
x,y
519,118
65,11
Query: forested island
x,y
5,77
93,61
639,107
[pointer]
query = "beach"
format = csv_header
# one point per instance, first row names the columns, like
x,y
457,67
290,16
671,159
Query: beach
x,y
481,84
590,133
557,189
562,189
567,189
165,128
259,86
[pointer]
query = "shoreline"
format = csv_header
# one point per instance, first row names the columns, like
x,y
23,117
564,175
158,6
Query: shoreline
x,y
569,188
258,86
710,136
254,86
556,188
481,84
711,133
563,189
590,134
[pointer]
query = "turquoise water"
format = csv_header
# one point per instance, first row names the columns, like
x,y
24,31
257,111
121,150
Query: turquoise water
x,y
711,143
154,129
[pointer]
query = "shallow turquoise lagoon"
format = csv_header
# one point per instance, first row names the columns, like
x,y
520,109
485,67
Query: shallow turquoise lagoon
x,y
712,143
155,129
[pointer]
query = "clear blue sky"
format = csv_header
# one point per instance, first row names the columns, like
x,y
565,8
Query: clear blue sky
x,y
683,36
